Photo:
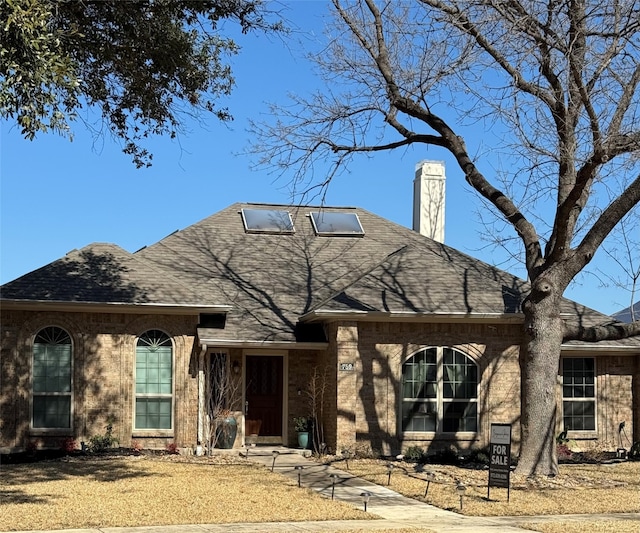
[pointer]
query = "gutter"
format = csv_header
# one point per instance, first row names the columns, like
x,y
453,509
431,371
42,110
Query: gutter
x,y
409,316
112,307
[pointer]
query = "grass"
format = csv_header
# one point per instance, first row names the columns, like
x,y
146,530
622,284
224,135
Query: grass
x,y
145,491
152,490
608,488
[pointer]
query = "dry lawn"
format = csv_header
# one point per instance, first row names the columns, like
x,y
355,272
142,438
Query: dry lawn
x,y
578,489
601,526
141,491
151,490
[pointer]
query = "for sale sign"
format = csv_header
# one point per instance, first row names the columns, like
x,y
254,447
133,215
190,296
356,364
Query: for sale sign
x,y
500,456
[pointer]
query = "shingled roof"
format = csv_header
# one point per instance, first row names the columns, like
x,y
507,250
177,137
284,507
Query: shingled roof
x,y
276,282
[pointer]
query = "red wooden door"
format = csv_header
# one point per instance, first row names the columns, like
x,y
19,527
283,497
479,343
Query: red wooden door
x,y
264,393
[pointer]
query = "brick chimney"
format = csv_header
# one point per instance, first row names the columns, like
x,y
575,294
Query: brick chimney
x,y
428,199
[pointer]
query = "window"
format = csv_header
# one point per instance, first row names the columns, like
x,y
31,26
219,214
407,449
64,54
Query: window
x,y
154,381
439,392
579,394
267,221
340,224
51,379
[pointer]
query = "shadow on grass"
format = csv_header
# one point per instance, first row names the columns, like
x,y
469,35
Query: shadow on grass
x,y
100,469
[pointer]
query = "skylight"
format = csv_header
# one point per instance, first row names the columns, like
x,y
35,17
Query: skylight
x,y
267,221
339,224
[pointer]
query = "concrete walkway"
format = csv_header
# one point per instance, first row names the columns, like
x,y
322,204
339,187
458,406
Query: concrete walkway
x,y
396,511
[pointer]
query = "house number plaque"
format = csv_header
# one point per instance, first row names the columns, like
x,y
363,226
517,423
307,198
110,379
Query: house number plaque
x,y
348,367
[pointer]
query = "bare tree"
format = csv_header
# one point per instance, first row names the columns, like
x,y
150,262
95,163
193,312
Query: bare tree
x,y
625,252
556,84
223,394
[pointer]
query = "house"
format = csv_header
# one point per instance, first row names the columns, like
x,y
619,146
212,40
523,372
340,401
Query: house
x,y
625,315
389,337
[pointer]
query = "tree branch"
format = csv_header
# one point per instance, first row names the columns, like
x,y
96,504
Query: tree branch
x,y
605,332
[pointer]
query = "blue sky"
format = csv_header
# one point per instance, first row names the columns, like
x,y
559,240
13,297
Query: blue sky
x,y
56,195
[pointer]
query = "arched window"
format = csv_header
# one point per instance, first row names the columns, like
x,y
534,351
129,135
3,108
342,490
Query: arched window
x,y
154,381
440,392
51,380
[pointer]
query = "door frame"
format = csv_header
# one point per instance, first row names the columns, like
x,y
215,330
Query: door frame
x,y
285,388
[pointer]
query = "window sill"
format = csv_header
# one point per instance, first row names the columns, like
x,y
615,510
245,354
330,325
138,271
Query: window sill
x,y
51,432
582,435
431,435
146,433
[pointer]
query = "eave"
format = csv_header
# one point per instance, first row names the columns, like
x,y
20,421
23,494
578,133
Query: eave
x,y
254,344
600,347
111,307
409,316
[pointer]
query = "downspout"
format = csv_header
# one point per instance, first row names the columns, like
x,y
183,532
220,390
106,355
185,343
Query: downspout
x,y
201,394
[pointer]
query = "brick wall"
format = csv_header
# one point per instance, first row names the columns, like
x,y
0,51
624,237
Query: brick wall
x,y
103,370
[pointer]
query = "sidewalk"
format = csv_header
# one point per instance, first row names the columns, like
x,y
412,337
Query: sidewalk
x,y
397,511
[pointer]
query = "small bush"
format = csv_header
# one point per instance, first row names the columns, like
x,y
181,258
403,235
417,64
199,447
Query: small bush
x,y
32,447
172,448
68,445
446,456
481,456
99,443
414,454
563,452
136,446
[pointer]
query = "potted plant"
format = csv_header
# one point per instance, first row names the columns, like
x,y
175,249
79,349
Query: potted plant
x,y
223,394
302,425
226,428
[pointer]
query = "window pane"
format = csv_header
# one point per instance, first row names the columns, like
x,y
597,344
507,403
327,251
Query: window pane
x,y
52,411
267,221
460,416
419,416
460,375
153,413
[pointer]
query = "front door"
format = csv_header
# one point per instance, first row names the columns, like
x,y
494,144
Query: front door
x,y
264,397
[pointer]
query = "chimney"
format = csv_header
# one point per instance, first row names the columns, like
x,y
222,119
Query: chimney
x,y
428,200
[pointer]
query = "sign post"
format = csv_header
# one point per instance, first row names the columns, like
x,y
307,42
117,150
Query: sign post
x,y
500,458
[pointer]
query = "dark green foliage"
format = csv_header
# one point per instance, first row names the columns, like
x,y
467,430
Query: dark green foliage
x,y
415,454
99,443
143,65
302,423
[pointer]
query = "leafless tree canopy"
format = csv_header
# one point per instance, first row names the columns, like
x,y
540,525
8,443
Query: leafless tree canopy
x,y
554,84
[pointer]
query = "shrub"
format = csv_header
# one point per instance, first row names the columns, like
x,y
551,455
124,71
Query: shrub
x,y
563,452
32,447
99,443
446,456
480,456
136,446
414,454
172,448
68,445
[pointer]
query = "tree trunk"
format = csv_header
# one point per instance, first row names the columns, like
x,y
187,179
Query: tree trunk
x,y
539,362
